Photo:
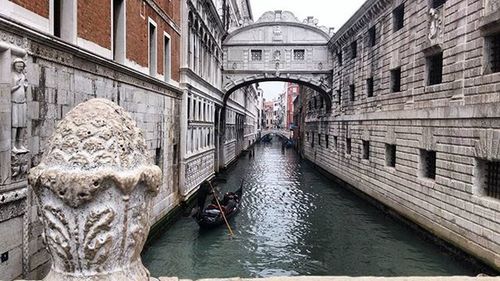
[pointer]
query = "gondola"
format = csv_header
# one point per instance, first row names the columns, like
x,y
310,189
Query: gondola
x,y
210,216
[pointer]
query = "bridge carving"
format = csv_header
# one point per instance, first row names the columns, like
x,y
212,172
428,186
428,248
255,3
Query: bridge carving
x,y
278,47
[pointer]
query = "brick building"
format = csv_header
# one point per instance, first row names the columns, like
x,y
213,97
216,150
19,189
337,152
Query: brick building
x,y
415,121
125,51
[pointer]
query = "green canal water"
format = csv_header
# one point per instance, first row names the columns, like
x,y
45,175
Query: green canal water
x,y
294,221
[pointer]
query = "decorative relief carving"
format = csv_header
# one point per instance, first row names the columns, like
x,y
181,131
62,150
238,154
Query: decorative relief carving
x,y
435,26
95,166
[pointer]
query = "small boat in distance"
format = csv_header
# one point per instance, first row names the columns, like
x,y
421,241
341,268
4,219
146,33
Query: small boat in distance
x,y
211,216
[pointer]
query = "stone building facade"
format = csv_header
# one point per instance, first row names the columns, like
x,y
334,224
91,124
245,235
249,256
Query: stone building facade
x,y
415,120
56,54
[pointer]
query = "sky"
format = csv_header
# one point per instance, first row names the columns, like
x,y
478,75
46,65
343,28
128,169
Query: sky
x,y
330,13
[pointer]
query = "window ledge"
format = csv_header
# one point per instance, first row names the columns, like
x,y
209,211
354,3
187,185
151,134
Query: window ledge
x,y
490,23
427,182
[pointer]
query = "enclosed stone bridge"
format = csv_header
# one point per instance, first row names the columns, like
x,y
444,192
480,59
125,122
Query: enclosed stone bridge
x,y
278,47
286,134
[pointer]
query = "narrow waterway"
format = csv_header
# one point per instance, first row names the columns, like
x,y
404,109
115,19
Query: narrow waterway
x,y
295,221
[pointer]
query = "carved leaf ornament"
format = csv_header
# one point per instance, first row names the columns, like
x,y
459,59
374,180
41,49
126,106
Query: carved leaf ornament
x,y
96,166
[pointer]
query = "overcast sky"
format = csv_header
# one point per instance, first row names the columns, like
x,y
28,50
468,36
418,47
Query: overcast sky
x,y
330,13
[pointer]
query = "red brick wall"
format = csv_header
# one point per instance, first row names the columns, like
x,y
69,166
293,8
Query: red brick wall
x,y
40,7
137,36
172,8
94,21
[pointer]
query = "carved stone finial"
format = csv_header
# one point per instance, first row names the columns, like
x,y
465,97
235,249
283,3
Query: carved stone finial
x,y
95,186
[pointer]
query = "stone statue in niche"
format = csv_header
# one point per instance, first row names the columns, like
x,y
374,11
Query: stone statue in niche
x,y
19,107
435,24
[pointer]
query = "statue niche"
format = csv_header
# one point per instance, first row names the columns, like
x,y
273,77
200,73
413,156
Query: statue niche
x,y
19,107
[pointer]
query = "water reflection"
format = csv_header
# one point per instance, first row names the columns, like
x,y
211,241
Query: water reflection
x,y
293,221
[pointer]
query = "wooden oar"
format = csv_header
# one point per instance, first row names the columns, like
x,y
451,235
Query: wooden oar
x,y
221,211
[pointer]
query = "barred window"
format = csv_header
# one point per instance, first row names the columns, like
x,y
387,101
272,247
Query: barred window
x,y
299,54
437,3
369,87
493,52
372,36
390,155
396,80
428,164
435,69
256,55
366,150
398,16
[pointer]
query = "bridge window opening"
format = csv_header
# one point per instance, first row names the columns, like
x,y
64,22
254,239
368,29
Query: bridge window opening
x,y
488,178
366,150
396,80
339,57
352,92
398,16
492,47
299,54
152,49
372,36
256,55
348,147
390,155
369,87
435,69
327,141
428,164
437,3
354,49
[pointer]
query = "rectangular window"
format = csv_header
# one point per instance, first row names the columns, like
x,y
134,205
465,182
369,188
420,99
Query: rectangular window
x,y
366,150
437,3
369,87
489,178
435,69
354,49
348,147
390,155
372,36
189,108
152,49
492,44
166,57
312,142
339,58
118,31
428,164
339,95
319,139
57,17
396,80
327,141
352,91
398,16
299,54
256,55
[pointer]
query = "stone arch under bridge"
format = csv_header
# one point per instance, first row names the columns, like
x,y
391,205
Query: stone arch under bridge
x,y
278,47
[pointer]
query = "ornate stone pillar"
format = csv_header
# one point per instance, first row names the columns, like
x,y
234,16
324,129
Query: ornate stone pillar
x,y
94,186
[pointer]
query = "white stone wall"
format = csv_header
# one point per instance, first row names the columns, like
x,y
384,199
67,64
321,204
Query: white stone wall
x,y
459,119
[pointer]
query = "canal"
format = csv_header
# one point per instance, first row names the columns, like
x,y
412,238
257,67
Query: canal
x,y
295,221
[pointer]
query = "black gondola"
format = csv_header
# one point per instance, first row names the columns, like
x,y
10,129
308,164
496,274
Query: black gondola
x,y
211,217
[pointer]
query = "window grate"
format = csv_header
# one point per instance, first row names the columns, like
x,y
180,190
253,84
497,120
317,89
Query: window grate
x,y
428,163
495,52
366,150
435,63
372,36
396,80
354,50
493,180
369,87
352,91
398,16
299,54
256,55
437,3
390,155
